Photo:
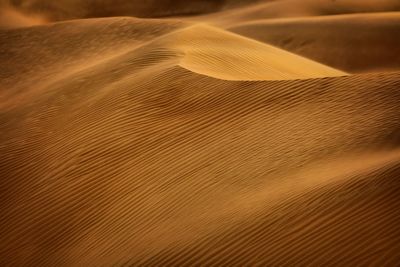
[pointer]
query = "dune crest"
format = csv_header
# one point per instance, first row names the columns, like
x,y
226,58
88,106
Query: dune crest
x,y
224,55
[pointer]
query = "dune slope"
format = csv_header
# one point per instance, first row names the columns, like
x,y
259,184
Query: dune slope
x,y
165,166
354,43
220,54
269,9
183,142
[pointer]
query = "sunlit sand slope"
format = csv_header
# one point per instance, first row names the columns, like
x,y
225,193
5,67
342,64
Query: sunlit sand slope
x,y
96,42
224,55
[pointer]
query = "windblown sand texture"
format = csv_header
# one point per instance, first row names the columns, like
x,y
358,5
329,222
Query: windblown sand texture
x,y
200,133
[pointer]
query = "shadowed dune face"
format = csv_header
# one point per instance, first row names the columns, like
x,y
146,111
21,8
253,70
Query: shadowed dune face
x,y
300,8
223,139
224,12
72,9
354,43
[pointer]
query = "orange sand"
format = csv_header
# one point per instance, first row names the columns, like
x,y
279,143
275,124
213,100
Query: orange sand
x,y
199,133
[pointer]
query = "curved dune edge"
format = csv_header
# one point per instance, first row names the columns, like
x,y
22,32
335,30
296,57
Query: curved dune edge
x,y
224,55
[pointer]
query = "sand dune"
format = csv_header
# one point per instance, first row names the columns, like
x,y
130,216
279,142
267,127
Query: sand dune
x,y
227,11
67,9
195,140
138,173
220,54
11,17
354,43
298,8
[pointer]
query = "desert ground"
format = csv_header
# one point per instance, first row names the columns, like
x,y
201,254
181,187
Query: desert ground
x,y
200,133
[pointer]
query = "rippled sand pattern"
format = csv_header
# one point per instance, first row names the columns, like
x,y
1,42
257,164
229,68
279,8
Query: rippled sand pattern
x,y
197,135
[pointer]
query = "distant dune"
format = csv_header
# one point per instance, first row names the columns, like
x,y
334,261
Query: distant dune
x,y
200,133
75,9
354,43
269,9
10,17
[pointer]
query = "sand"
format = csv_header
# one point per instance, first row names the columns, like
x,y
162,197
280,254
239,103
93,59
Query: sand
x,y
200,133
356,43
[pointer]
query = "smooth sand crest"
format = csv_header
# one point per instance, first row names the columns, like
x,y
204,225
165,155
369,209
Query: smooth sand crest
x,y
220,54
184,142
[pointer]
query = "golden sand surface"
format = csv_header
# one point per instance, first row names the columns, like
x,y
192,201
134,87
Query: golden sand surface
x,y
199,133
